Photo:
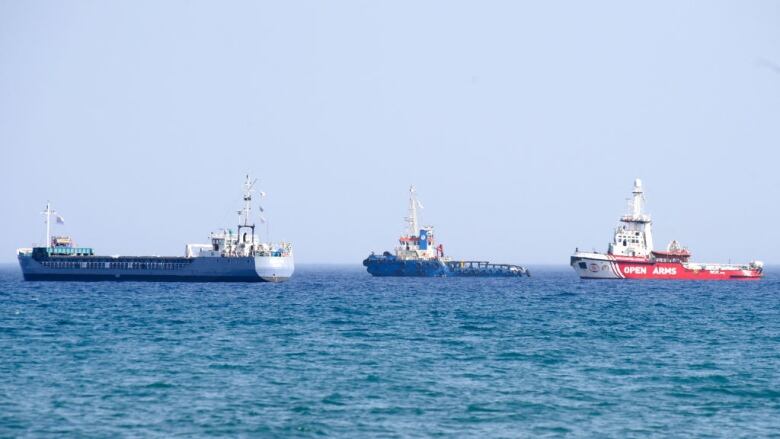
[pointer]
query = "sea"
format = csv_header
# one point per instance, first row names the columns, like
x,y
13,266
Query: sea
x,y
335,352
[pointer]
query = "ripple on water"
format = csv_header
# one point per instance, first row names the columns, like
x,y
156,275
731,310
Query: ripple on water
x,y
335,352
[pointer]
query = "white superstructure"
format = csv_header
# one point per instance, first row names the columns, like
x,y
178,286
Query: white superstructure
x,y
244,242
634,237
418,242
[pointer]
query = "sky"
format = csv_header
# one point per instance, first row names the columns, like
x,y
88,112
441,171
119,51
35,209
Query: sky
x,y
522,124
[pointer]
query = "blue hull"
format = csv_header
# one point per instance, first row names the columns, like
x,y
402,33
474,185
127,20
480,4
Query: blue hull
x,y
388,265
138,278
394,267
40,267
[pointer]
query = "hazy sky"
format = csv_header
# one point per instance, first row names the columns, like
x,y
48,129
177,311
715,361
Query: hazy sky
x,y
522,124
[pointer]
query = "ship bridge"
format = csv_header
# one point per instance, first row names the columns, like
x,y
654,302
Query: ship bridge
x,y
634,237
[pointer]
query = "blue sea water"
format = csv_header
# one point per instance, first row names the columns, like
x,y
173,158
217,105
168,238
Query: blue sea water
x,y
335,352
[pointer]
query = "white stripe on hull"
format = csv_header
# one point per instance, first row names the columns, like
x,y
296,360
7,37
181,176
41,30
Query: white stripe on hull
x,y
595,266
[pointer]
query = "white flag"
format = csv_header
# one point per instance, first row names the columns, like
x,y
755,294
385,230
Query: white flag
x,y
60,220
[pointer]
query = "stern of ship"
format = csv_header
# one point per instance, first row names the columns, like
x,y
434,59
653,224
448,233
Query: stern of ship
x,y
589,265
274,268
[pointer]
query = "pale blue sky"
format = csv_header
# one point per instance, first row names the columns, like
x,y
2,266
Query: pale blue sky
x,y
523,125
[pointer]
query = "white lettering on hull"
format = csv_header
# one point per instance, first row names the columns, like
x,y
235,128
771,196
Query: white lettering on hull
x,y
665,271
634,270
657,271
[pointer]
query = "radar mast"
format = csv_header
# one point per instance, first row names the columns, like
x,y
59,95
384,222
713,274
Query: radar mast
x,y
246,212
47,215
414,203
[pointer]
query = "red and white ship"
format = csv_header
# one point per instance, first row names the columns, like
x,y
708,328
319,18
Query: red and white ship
x,y
631,255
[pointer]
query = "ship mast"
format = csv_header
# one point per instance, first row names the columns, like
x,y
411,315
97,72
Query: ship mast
x,y
246,211
636,205
638,202
47,214
414,203
637,219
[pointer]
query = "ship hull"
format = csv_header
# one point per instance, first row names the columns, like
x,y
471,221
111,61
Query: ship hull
x,y
157,269
404,268
390,266
603,266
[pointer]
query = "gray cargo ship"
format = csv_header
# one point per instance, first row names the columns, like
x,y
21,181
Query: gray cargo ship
x,y
238,256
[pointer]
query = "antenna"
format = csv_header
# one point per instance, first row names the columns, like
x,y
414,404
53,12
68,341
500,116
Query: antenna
x,y
636,205
639,198
244,215
414,203
263,219
47,215
249,186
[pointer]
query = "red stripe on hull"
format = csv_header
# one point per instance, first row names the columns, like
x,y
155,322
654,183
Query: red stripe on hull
x,y
671,270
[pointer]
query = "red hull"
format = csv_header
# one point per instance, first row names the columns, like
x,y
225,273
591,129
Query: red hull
x,y
634,237
647,269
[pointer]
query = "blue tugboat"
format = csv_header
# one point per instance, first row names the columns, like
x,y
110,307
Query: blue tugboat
x,y
418,255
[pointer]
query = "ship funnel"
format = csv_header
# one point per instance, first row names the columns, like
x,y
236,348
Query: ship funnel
x,y
637,185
